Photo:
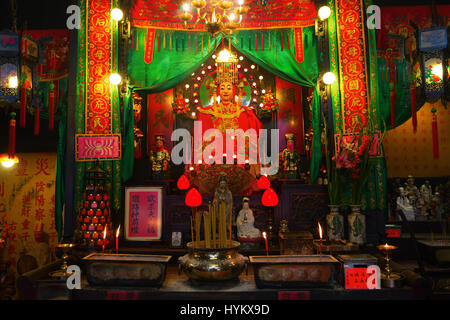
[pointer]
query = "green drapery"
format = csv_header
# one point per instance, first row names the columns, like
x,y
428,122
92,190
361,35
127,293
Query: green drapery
x,y
113,167
170,67
128,137
402,93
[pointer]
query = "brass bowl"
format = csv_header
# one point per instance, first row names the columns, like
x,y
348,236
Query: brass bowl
x,y
212,264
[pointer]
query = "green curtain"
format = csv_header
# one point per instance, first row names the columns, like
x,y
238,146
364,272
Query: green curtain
x,y
128,137
170,65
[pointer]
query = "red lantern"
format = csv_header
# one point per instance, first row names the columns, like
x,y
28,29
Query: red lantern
x,y
183,183
263,182
269,198
193,198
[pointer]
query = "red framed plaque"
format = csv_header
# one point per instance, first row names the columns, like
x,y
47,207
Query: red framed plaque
x,y
143,213
97,146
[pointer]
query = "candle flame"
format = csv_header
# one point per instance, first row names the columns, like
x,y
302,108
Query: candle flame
x,y
118,230
104,233
386,245
320,230
264,235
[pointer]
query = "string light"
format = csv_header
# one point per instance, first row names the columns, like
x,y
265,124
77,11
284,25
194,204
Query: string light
x,y
117,14
115,79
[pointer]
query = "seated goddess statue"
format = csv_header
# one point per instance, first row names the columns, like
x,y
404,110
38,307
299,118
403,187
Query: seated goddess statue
x,y
244,222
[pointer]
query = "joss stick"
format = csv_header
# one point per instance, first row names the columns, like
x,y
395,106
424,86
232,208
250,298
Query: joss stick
x,y
192,228
198,221
230,212
207,228
213,218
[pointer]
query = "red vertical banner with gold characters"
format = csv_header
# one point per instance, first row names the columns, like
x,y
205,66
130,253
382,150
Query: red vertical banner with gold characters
x,y
98,118
160,118
352,63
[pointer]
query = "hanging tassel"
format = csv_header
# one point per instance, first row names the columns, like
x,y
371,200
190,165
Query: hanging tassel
x,y
262,41
164,41
12,136
137,41
270,45
159,47
275,47
209,43
189,39
51,108
434,130
36,121
23,106
288,42
282,41
170,42
393,107
413,107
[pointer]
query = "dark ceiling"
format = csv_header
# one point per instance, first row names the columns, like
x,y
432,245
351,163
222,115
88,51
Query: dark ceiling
x,y
51,14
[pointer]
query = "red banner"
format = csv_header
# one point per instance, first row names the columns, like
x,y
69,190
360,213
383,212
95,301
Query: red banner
x,y
160,118
149,45
98,113
352,63
290,115
164,14
298,39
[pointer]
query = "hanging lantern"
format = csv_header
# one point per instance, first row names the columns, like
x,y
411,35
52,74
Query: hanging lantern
x,y
183,183
8,160
432,43
9,66
269,198
263,182
193,198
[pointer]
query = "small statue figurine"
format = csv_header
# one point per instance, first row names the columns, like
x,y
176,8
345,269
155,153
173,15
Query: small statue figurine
x,y
159,159
289,158
426,193
403,204
223,195
245,224
412,192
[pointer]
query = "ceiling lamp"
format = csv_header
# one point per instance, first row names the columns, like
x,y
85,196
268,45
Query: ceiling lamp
x,y
193,198
117,14
183,183
269,198
263,182
115,79
217,15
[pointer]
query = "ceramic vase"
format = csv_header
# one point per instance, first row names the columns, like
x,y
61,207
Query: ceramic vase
x,y
335,224
357,225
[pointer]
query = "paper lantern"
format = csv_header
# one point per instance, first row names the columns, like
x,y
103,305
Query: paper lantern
x,y
183,183
263,182
269,198
193,198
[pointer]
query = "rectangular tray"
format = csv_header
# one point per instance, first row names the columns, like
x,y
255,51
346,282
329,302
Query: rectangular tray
x,y
126,269
292,271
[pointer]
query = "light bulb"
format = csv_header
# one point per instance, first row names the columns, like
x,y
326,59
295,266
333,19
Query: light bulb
x,y
324,12
115,79
232,17
185,7
329,78
117,14
187,86
13,82
7,163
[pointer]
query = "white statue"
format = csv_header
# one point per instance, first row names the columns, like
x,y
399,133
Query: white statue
x,y
404,205
245,221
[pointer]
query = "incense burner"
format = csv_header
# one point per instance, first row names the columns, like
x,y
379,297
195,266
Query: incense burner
x,y
212,264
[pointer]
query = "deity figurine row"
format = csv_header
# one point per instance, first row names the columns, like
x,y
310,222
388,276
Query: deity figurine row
x,y
418,203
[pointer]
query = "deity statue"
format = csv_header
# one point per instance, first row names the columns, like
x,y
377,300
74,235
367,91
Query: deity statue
x,y
404,204
159,159
223,199
412,192
227,112
289,158
245,223
426,193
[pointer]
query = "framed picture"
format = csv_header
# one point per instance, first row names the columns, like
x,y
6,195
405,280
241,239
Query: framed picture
x,y
143,213
176,239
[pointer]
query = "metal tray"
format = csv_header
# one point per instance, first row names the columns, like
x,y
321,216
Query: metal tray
x,y
126,269
291,271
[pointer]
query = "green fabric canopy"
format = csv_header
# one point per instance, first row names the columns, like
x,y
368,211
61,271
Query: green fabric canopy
x,y
170,67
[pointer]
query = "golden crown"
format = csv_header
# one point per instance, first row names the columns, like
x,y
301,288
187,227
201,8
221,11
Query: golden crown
x,y
227,70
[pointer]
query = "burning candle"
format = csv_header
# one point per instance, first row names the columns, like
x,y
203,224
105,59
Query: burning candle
x,y
104,237
320,235
117,240
265,239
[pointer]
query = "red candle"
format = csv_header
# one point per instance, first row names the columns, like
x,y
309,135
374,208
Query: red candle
x,y
265,239
104,237
117,239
